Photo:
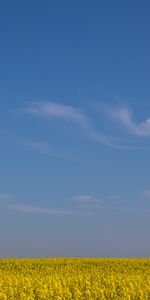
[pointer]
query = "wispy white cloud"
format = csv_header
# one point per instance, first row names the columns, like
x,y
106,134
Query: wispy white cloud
x,y
123,208
146,193
114,197
54,110
125,116
40,210
85,199
49,150
6,197
47,211
41,147
108,141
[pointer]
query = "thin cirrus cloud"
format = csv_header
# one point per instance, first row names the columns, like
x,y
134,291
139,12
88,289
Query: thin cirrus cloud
x,y
146,193
6,197
125,117
54,110
47,149
43,148
113,197
39,210
85,199
124,209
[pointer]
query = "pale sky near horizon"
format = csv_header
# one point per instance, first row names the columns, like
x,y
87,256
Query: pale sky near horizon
x,y
74,128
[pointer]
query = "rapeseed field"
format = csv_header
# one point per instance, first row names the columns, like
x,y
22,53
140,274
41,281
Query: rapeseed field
x,y
74,278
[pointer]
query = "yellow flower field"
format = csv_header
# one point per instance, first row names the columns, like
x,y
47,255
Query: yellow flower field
x,y
74,278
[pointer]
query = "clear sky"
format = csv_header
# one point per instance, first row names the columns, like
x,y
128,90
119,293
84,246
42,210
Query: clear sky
x,y
74,128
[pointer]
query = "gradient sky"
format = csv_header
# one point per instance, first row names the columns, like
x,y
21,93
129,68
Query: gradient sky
x,y
74,128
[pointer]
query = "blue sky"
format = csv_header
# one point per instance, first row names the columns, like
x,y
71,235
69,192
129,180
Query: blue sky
x,y
74,128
